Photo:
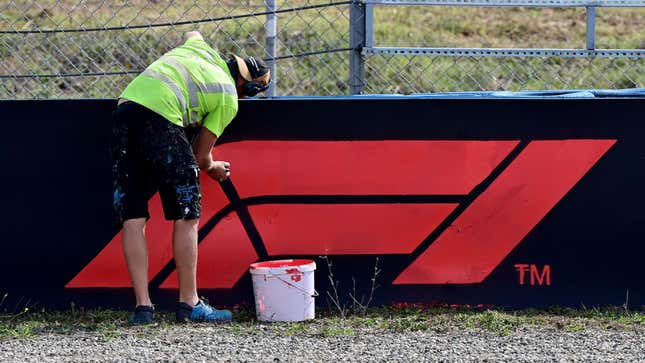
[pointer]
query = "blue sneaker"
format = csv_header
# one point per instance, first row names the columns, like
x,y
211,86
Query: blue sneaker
x,y
142,315
202,312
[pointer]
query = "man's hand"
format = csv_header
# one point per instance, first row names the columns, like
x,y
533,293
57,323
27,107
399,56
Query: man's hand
x,y
219,170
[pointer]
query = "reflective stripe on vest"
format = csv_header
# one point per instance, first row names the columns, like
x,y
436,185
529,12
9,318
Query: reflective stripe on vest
x,y
217,88
193,89
170,84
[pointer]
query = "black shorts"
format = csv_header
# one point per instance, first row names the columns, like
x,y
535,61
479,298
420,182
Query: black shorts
x,y
149,153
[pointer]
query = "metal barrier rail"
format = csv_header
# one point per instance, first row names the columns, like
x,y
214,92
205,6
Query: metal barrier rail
x,y
508,52
523,3
367,32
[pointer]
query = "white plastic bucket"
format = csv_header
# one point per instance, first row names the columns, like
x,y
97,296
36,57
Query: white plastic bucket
x,y
284,290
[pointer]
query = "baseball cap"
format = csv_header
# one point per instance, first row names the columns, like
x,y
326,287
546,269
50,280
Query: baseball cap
x,y
253,69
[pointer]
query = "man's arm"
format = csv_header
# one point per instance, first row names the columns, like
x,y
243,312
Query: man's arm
x,y
218,170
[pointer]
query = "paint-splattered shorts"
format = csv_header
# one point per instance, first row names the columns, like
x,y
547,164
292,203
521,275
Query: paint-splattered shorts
x,y
148,154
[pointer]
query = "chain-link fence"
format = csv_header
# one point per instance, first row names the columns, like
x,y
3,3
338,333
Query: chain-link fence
x,y
88,49
513,74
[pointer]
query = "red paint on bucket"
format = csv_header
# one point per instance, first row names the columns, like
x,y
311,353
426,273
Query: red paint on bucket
x,y
294,268
296,274
281,263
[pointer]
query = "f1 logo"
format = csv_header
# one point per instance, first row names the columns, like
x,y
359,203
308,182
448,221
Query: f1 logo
x,y
459,206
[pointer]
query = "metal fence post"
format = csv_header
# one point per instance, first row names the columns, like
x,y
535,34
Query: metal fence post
x,y
357,42
271,27
591,27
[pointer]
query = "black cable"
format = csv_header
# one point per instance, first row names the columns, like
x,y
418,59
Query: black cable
x,y
186,22
69,75
94,74
306,54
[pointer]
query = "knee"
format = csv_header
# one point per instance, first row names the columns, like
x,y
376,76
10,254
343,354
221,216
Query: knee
x,y
135,225
187,223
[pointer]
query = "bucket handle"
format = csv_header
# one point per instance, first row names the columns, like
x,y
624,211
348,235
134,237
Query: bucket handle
x,y
315,293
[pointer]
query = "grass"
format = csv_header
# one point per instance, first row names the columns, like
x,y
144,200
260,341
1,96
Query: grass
x,y
315,30
30,324
110,324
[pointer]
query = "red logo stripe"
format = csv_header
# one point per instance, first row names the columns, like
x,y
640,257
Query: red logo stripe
x,y
387,167
353,229
497,221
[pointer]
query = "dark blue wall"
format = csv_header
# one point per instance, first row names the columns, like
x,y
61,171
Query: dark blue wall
x,y
57,196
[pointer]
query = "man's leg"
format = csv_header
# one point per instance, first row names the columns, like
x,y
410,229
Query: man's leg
x,y
136,257
185,249
184,241
130,202
177,173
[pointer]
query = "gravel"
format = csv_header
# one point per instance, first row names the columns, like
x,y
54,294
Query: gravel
x,y
266,343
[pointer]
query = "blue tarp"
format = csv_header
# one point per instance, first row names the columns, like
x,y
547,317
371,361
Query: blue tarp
x,y
631,92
